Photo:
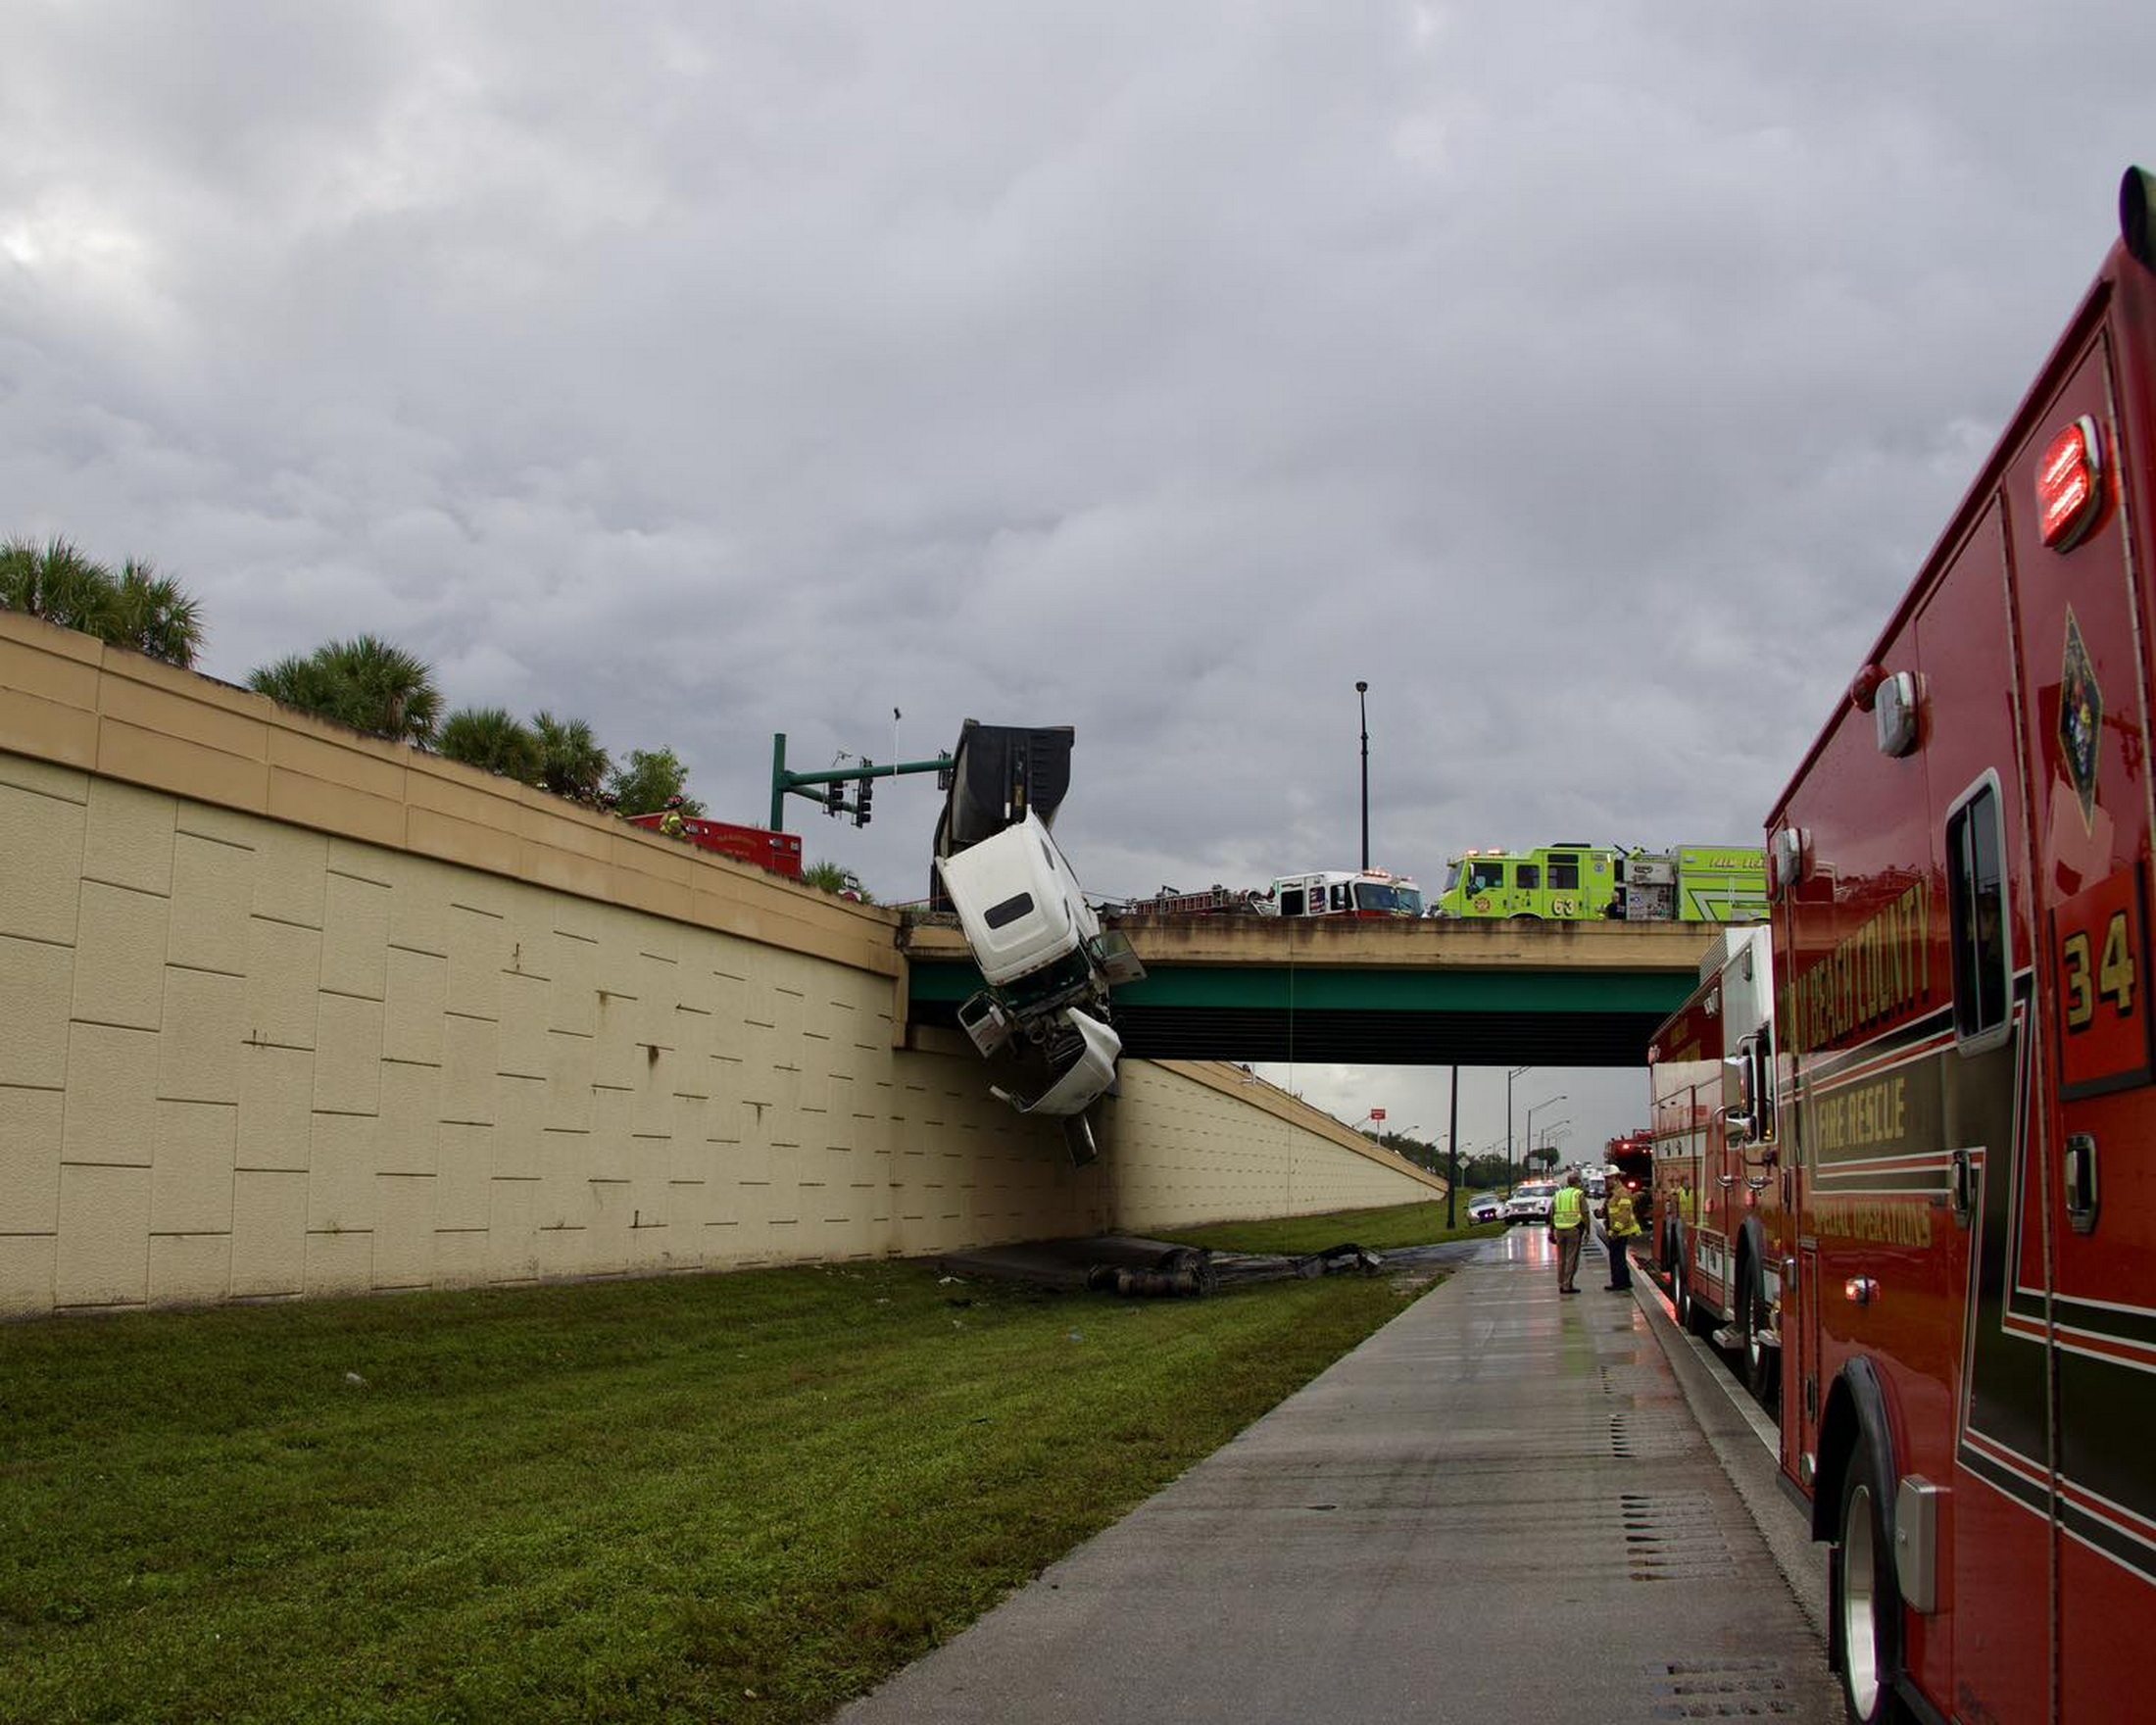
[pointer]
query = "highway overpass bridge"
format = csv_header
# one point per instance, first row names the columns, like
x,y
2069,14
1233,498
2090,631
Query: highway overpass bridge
x,y
1428,991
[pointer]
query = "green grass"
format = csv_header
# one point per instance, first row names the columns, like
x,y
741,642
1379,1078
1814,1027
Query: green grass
x,y
1381,1230
743,1496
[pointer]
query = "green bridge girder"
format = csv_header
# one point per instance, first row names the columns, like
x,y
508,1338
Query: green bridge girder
x,y
1358,1009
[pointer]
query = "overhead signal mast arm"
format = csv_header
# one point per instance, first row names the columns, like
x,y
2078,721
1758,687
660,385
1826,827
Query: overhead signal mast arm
x,y
825,788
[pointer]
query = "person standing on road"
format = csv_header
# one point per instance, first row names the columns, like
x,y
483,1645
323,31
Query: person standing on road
x,y
1568,1224
1619,1225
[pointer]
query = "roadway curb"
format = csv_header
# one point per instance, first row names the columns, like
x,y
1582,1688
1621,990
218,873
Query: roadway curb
x,y
1746,1443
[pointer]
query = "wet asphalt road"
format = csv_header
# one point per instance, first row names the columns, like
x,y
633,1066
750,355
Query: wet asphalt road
x,y
1501,1506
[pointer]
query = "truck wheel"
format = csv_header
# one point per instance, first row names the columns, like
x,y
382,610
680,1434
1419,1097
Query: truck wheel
x,y
1863,1602
1762,1362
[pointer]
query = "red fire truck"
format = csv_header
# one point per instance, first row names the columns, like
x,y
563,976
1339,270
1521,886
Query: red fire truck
x,y
1958,1106
1720,1227
1364,893
1629,1157
779,852
1353,894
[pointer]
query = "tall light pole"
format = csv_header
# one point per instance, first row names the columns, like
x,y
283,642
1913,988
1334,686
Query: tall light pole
x,y
1544,1103
1453,1154
1508,1077
1363,704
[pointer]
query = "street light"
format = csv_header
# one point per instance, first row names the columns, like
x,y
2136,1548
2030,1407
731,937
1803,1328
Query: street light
x,y
1363,704
1508,1077
1544,1103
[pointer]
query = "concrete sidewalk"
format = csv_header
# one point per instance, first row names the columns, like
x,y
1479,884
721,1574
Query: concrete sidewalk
x,y
1500,1507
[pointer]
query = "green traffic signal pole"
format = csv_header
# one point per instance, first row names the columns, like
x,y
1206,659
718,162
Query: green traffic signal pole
x,y
800,783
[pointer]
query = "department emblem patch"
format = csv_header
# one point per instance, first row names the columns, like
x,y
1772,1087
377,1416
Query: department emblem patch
x,y
2081,718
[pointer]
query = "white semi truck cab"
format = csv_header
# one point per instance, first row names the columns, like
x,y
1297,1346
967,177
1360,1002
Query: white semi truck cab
x,y
1048,967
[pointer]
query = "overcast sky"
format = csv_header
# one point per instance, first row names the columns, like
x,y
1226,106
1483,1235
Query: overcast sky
x,y
1587,378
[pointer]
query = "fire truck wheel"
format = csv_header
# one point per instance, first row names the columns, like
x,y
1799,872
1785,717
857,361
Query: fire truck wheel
x,y
1865,1606
1761,1376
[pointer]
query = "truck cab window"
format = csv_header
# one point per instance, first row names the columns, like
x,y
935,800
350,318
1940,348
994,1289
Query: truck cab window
x,y
1975,895
1565,874
1290,901
1486,877
1527,876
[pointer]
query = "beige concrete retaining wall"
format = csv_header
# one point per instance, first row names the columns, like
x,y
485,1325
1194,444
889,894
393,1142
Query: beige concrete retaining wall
x,y
1189,1143
285,1010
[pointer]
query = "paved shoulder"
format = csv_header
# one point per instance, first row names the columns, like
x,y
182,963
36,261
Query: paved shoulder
x,y
1499,1505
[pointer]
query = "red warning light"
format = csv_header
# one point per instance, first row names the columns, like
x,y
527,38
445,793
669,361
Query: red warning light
x,y
2069,484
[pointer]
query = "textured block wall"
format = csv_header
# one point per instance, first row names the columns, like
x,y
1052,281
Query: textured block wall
x,y
241,1060
1186,1142
287,1011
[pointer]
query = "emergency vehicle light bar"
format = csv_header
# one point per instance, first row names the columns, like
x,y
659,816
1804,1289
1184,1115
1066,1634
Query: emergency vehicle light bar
x,y
2069,484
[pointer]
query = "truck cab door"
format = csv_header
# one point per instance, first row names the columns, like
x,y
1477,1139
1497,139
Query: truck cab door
x,y
2086,688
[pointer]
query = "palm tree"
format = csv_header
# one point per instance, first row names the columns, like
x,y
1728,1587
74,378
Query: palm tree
x,y
301,680
570,759
365,682
489,738
153,615
140,610
57,583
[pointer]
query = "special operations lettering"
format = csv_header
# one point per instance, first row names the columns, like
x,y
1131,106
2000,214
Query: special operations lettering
x,y
1881,969
1872,1220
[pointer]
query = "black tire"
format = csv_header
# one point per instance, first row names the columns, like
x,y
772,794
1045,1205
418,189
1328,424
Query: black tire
x,y
1690,1320
1863,1603
1761,1364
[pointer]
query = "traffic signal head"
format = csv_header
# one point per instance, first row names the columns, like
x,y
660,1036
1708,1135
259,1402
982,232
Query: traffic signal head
x,y
860,801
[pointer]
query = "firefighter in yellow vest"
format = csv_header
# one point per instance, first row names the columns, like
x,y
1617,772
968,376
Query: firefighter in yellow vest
x,y
1569,1219
1620,1225
670,822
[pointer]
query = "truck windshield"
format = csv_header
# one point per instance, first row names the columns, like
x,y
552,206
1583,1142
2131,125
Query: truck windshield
x,y
1393,901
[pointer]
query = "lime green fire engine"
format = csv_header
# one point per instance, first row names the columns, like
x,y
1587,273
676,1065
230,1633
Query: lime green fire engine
x,y
1694,883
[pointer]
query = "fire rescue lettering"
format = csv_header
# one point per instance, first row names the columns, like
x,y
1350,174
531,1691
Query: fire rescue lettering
x,y
1880,970
1862,1116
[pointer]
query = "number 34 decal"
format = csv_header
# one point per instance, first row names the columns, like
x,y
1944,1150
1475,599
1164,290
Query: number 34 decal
x,y
2114,977
2101,960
